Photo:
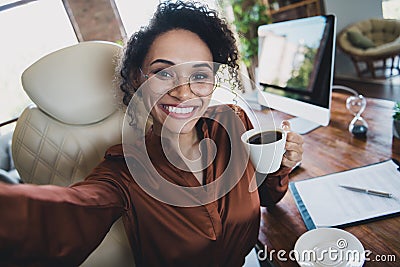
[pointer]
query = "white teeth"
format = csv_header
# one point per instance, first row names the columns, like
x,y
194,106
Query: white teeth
x,y
178,110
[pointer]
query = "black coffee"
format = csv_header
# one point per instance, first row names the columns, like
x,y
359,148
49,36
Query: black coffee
x,y
265,137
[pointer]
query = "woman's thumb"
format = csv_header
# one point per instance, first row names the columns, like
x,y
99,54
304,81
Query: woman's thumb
x,y
285,125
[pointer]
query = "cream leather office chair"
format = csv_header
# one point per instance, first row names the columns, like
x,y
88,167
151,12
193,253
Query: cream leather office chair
x,y
74,120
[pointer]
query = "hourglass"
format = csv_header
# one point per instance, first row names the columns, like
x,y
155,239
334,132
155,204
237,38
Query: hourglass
x,y
356,105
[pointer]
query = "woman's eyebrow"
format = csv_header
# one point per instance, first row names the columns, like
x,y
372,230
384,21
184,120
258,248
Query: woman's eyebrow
x,y
160,60
168,62
202,65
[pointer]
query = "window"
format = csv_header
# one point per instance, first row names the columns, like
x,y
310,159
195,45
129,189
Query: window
x,y
391,9
29,30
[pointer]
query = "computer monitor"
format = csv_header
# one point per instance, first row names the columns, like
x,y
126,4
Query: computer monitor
x,y
295,69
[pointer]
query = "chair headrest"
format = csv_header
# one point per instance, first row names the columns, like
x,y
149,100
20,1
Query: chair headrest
x,y
75,84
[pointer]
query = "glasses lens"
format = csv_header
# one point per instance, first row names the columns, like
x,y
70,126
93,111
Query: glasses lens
x,y
202,83
201,80
165,75
162,81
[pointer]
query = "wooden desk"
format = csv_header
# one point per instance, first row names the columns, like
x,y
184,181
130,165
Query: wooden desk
x,y
333,149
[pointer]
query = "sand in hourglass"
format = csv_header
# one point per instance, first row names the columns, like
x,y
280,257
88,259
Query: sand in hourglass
x,y
356,105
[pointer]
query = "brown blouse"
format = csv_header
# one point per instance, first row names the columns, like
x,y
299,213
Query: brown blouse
x,y
57,226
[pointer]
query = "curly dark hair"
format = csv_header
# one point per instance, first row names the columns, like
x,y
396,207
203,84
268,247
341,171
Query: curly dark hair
x,y
192,16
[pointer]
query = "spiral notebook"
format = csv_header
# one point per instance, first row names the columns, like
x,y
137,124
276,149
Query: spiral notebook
x,y
322,201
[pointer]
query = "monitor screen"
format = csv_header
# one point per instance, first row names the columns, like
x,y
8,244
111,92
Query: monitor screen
x,y
295,67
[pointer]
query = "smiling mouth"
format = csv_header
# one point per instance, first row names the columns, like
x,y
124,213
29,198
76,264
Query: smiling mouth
x,y
178,112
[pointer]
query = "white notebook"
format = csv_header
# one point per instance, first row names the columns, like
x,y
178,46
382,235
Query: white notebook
x,y
322,202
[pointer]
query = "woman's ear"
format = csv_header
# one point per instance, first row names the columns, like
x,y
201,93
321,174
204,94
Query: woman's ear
x,y
135,77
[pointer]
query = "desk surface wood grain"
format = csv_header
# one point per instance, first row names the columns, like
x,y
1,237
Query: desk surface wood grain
x,y
333,149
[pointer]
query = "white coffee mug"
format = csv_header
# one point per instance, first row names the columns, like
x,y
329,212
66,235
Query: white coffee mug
x,y
267,156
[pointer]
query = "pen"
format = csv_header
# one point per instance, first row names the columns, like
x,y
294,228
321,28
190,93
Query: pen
x,y
367,191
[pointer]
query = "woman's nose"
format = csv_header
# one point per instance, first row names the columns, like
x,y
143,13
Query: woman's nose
x,y
181,91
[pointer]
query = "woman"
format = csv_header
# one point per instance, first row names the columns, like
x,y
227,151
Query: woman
x,y
166,188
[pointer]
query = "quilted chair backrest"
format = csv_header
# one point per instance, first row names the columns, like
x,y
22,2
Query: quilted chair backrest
x,y
384,34
47,151
61,138
380,31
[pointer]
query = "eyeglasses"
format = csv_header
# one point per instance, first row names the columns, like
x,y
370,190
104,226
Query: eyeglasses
x,y
201,82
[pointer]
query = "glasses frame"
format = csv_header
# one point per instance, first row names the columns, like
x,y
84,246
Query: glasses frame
x,y
176,83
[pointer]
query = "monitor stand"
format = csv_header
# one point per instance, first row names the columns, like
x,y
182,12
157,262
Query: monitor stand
x,y
302,126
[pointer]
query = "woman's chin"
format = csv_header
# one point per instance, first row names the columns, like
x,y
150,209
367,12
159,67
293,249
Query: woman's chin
x,y
179,127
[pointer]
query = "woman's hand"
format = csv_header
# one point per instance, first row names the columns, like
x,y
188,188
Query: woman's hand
x,y
294,147
275,186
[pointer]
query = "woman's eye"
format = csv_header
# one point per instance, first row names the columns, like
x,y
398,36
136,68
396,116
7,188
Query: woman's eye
x,y
201,77
164,75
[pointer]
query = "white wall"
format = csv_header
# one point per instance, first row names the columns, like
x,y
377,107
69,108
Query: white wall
x,y
348,12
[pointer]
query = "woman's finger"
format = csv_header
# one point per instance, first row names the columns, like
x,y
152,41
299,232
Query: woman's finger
x,y
294,146
294,137
285,125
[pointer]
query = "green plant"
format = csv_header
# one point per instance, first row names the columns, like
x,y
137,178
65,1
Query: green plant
x,y
248,15
301,77
120,42
396,108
